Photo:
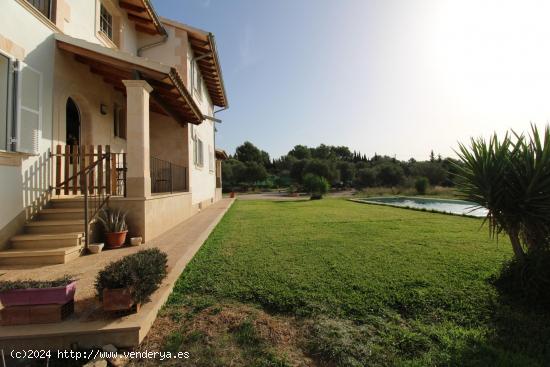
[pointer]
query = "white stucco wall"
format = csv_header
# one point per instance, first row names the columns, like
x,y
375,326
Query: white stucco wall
x,y
22,185
70,79
83,23
203,180
172,52
24,36
176,51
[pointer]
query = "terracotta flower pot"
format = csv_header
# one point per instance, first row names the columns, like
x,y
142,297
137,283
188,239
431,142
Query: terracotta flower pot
x,y
117,299
115,239
39,296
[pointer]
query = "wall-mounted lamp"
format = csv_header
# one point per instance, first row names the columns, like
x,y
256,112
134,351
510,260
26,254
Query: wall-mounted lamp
x,y
103,109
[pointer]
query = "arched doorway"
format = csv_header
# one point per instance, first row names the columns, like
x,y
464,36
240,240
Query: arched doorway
x,y
72,126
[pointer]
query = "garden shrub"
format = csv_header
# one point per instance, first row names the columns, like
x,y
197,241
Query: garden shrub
x,y
8,285
317,186
366,177
141,272
528,281
421,185
389,174
292,189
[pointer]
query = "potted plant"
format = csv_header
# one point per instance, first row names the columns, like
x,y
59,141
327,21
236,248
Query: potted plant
x,y
131,280
37,292
114,224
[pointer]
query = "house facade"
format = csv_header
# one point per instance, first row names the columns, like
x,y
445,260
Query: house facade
x,y
102,102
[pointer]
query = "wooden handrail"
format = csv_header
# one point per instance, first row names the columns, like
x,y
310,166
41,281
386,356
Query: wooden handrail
x,y
86,169
94,174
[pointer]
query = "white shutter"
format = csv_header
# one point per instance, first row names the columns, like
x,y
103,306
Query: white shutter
x,y
201,153
5,101
29,109
210,158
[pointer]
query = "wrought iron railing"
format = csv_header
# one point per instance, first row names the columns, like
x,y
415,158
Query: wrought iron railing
x,y
167,177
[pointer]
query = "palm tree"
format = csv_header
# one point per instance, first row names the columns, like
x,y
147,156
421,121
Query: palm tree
x,y
511,178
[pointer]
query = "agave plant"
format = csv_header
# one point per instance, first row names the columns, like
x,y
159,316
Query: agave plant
x,y
511,178
113,220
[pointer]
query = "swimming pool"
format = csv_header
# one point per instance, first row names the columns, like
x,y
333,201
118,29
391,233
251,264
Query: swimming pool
x,y
459,207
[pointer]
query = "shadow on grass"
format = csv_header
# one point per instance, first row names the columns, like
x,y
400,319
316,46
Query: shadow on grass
x,y
519,336
291,201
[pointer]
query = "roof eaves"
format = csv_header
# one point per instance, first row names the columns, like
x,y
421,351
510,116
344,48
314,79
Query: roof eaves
x,y
154,16
212,41
178,82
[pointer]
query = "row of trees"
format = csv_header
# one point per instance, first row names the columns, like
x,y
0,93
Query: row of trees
x,y
338,165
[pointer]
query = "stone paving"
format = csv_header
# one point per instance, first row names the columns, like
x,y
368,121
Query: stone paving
x,y
176,242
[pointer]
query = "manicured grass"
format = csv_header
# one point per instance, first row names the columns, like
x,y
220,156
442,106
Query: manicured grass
x,y
360,285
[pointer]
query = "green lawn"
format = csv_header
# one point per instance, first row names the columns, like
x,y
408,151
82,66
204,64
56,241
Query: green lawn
x,y
342,283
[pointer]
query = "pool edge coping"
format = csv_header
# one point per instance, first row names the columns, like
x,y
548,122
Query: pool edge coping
x,y
432,211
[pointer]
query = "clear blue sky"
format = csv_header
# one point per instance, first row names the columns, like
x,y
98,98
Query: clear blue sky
x,y
396,77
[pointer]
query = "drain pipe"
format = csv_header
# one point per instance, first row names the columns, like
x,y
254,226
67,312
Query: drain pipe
x,y
154,44
214,119
220,110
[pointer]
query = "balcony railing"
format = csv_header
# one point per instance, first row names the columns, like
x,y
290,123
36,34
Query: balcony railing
x,y
167,177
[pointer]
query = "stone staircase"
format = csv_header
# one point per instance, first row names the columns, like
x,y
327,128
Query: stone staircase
x,y
54,236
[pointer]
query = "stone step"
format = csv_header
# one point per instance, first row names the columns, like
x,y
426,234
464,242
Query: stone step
x,y
40,256
45,241
61,213
55,226
72,202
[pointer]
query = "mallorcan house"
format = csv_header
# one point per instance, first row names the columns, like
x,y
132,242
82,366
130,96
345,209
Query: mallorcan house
x,y
102,103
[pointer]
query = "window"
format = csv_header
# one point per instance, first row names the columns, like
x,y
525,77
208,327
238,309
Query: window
x,y
197,81
43,6
119,121
198,152
106,22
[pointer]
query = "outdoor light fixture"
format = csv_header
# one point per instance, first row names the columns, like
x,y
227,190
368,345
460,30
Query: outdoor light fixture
x,y
103,109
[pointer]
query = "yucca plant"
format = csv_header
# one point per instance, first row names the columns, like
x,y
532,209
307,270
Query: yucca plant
x,y
511,178
113,220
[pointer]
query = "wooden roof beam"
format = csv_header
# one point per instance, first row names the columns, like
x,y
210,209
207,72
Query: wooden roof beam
x,y
139,19
163,85
167,108
111,74
132,7
104,59
143,29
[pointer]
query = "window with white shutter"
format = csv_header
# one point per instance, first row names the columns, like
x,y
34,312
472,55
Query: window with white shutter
x,y
29,109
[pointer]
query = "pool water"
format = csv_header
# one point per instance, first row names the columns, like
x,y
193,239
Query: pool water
x,y
459,207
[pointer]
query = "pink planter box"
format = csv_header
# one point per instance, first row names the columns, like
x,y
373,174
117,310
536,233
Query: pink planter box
x,y
39,296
